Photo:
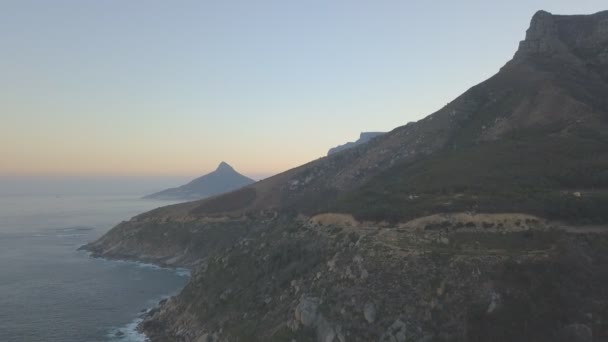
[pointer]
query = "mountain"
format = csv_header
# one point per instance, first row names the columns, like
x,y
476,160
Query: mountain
x,y
363,138
223,179
484,221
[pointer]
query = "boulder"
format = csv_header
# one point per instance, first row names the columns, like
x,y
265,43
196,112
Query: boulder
x,y
307,311
369,312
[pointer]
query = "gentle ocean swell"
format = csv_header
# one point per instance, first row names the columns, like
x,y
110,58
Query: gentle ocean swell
x,y
51,292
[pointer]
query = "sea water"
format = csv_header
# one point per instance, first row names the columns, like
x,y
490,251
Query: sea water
x,y
50,291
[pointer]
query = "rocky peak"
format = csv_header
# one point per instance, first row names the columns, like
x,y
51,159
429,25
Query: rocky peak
x,y
223,167
542,27
581,36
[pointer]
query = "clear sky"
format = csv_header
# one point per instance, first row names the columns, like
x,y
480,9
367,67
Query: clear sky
x,y
130,88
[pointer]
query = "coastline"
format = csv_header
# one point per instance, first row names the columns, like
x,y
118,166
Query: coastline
x,y
132,331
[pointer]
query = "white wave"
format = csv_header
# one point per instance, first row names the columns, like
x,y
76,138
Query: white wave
x,y
183,272
128,333
180,271
75,229
144,265
68,235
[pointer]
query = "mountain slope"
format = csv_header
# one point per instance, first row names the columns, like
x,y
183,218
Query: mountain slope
x,y
459,227
223,179
524,140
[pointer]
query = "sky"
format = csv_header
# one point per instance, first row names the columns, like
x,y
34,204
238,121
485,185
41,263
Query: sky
x,y
152,88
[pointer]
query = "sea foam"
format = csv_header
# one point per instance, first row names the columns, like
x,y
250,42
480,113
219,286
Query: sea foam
x,y
129,333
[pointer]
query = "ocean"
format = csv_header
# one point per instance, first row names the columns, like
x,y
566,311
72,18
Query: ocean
x,y
51,292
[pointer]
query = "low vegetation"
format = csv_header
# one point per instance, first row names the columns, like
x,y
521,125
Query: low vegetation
x,y
560,177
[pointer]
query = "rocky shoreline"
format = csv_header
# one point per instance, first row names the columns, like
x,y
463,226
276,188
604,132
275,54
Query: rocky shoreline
x,y
313,279
181,270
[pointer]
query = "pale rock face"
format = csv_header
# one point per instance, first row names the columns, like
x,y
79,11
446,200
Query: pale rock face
x,y
542,37
307,311
541,26
369,312
494,302
566,35
395,333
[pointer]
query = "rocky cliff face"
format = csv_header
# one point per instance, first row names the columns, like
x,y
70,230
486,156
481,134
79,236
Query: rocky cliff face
x,y
578,40
554,35
485,221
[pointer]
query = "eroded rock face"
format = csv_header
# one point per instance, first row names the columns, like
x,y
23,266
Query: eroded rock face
x,y
563,35
542,36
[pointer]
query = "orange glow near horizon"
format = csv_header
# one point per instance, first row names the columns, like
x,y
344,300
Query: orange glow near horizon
x,y
169,167
156,88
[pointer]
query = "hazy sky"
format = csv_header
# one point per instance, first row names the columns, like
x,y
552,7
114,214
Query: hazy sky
x,y
174,87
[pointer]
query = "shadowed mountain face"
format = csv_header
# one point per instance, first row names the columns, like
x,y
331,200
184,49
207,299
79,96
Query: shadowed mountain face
x,y
485,221
223,179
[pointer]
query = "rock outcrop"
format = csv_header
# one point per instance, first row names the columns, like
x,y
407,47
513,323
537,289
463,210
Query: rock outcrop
x,y
364,137
551,35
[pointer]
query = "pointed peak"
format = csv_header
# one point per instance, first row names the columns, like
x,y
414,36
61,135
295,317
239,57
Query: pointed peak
x,y
224,167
